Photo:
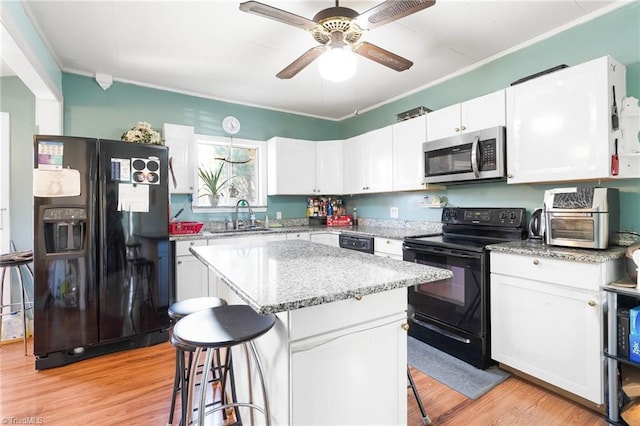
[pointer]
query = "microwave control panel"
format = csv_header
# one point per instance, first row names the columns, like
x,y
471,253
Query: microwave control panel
x,y
487,154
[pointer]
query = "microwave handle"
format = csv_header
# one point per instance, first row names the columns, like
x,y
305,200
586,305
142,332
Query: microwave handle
x,y
474,157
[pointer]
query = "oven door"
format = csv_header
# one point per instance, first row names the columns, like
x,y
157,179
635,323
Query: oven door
x,y
456,301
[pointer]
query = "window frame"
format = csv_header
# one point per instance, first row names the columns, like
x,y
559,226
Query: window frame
x,y
261,184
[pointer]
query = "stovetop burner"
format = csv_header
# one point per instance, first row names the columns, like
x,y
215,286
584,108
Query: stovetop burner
x,y
475,228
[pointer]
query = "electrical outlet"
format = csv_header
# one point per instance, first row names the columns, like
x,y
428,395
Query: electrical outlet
x,y
278,215
394,212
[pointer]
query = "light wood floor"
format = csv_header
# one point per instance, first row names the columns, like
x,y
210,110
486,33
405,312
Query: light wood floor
x,y
134,388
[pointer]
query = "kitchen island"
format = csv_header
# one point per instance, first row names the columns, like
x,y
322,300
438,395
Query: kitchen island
x,y
338,353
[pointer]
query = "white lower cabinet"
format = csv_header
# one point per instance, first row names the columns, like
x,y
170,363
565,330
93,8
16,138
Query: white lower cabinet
x,y
191,274
387,247
334,384
547,320
340,363
328,238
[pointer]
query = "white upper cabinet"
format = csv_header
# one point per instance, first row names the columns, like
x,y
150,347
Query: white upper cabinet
x,y
182,168
475,114
408,137
301,167
368,162
329,167
560,124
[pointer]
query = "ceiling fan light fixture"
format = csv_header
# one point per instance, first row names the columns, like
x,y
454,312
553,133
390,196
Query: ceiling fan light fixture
x,y
338,64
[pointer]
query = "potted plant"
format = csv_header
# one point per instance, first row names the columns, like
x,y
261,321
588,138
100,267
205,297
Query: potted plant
x,y
213,184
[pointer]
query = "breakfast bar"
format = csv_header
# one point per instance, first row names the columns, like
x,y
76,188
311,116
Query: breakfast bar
x,y
337,354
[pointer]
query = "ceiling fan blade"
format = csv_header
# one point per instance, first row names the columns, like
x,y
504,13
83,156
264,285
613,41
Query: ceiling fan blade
x,y
299,64
276,14
390,11
382,56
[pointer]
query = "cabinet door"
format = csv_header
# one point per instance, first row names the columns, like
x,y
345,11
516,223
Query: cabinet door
x,y
327,238
408,169
332,382
443,122
559,124
379,153
191,278
387,247
291,166
354,165
551,332
483,112
329,167
180,140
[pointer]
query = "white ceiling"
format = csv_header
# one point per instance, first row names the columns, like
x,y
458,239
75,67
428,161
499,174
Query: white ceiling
x,y
212,49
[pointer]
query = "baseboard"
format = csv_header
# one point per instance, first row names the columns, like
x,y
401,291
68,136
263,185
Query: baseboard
x,y
598,408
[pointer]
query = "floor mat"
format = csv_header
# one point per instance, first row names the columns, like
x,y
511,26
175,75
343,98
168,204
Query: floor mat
x,y
450,371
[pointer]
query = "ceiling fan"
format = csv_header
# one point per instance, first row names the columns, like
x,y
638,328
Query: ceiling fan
x,y
339,27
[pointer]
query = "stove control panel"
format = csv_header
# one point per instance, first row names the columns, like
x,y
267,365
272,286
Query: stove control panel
x,y
490,216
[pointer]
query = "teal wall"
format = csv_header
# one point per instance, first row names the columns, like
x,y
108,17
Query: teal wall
x,y
20,103
91,111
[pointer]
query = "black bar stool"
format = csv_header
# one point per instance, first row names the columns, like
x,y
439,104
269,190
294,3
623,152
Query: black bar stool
x,y
176,312
17,260
223,328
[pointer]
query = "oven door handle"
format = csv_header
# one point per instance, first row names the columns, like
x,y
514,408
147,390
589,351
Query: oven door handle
x,y
442,331
443,252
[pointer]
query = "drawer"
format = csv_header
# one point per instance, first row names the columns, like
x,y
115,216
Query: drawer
x,y
388,246
573,274
182,247
327,317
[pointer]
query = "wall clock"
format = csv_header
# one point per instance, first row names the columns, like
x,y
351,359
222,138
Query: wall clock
x,y
231,125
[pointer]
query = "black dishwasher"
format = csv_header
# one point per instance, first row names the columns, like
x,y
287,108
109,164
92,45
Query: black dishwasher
x,y
362,243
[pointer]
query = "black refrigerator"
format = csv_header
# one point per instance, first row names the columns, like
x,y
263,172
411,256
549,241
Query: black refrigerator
x,y
101,247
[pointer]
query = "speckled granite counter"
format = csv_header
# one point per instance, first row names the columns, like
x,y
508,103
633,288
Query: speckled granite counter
x,y
395,233
528,248
279,276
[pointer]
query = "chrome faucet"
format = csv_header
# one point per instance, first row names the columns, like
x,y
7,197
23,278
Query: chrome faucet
x,y
252,217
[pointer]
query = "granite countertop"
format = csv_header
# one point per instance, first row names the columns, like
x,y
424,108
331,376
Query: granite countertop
x,y
394,233
526,247
278,276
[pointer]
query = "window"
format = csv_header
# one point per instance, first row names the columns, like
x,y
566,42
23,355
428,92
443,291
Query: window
x,y
240,166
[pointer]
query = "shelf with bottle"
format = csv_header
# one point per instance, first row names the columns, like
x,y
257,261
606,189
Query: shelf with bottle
x,y
324,207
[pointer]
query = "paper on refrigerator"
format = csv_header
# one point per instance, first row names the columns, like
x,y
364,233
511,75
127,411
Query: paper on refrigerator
x,y
133,198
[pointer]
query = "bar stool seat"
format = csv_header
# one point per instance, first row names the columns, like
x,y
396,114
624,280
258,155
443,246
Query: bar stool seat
x,y
225,327
17,260
183,369
188,306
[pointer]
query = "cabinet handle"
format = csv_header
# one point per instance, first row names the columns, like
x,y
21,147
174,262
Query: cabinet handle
x,y
509,175
592,303
463,128
388,242
179,262
358,297
536,262
405,326
191,243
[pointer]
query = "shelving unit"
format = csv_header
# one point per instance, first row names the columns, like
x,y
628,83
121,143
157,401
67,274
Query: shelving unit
x,y
611,351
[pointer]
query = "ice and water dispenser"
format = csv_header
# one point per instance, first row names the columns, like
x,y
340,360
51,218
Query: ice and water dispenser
x,y
64,229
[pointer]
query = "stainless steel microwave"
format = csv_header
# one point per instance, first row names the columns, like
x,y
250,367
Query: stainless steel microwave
x,y
468,157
